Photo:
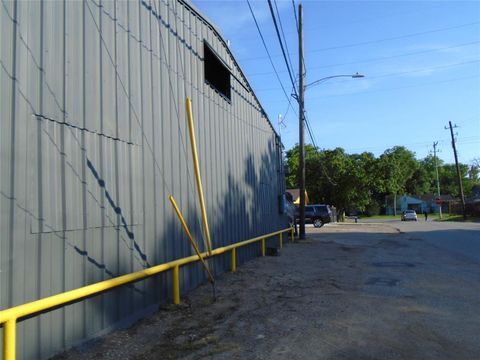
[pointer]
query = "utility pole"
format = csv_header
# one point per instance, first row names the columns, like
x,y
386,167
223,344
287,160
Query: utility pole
x,y
459,176
301,120
436,171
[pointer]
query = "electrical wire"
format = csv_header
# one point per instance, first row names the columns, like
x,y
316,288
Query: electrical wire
x,y
376,41
405,36
400,87
298,31
268,53
475,61
287,64
283,35
295,14
312,138
381,58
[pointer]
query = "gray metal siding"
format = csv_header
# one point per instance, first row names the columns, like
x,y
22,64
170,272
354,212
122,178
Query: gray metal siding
x,y
93,140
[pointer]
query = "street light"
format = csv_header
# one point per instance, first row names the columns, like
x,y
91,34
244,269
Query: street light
x,y
316,82
301,101
319,81
301,104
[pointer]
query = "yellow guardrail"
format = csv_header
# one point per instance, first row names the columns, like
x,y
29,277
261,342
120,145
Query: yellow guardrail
x,y
9,317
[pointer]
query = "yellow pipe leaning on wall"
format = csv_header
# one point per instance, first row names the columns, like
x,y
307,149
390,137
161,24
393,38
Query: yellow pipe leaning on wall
x,y
190,237
196,167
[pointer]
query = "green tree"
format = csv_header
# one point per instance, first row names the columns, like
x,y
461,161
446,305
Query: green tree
x,y
361,181
396,166
346,181
292,162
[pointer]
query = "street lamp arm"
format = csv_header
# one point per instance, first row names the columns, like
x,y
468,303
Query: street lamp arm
x,y
316,82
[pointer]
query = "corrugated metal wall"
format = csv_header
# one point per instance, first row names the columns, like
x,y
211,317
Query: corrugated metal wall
x,y
93,139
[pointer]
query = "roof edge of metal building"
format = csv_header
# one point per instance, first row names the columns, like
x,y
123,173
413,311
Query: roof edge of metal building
x,y
193,8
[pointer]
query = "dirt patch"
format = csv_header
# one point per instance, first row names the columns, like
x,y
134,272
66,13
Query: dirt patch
x,y
344,293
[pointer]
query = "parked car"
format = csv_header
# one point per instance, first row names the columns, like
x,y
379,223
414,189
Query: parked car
x,y
409,215
325,212
317,214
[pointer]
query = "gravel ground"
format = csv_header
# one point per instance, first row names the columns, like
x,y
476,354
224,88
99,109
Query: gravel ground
x,y
352,291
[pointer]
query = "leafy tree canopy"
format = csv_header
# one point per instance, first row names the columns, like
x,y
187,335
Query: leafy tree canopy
x,y
361,181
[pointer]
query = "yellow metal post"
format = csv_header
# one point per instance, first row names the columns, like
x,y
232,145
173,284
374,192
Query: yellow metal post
x,y
190,237
292,235
9,342
196,167
234,259
263,247
281,240
176,284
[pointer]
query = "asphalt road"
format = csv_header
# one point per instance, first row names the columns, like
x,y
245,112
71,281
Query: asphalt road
x,y
458,237
388,290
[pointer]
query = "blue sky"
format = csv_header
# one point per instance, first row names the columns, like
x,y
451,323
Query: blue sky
x,y
421,61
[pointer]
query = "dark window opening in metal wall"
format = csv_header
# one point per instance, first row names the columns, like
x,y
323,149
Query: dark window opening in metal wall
x,y
217,73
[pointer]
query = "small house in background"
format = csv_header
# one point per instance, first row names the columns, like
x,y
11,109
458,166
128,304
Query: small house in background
x,y
295,193
472,203
420,203
475,197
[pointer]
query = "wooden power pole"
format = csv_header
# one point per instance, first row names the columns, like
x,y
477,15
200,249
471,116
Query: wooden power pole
x,y
301,120
438,180
459,176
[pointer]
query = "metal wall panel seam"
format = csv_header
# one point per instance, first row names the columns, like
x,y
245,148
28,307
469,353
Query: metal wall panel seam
x,y
101,157
177,104
188,272
153,242
84,188
161,217
130,188
166,126
148,124
11,173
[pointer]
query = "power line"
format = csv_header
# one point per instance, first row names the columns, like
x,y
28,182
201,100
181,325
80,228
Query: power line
x,y
312,138
393,89
298,30
281,46
382,58
380,40
358,21
395,37
400,87
425,69
283,35
268,53
403,72
295,14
